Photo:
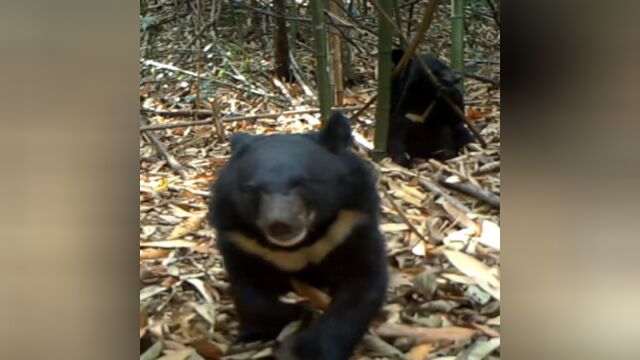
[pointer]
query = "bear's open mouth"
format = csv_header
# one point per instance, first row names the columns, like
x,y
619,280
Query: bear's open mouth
x,y
290,240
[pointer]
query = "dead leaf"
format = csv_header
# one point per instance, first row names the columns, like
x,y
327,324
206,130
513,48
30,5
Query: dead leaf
x,y
459,216
461,279
490,235
475,269
150,291
426,283
207,349
202,289
350,101
179,355
413,191
186,227
419,249
206,311
474,293
397,279
425,335
487,330
160,185
168,244
169,281
482,348
180,212
420,352
153,352
379,347
153,253
459,239
144,318
318,298
389,227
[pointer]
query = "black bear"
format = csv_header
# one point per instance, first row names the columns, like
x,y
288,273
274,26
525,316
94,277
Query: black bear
x,y
304,207
422,124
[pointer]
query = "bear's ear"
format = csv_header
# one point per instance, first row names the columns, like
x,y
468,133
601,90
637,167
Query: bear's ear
x,y
239,140
396,55
336,134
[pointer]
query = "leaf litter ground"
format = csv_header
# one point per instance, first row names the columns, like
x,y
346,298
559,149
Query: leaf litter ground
x,y
443,246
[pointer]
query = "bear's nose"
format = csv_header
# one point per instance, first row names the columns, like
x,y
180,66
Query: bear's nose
x,y
279,229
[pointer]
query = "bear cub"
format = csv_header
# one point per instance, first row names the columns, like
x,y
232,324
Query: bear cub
x,y
422,124
304,207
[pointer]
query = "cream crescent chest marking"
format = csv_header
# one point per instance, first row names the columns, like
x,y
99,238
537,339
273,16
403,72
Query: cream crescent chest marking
x,y
298,259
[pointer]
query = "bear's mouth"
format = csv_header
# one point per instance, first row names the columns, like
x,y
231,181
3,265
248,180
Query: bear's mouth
x,y
288,240
288,232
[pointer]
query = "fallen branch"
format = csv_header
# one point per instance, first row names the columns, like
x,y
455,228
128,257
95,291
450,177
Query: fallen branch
x,y
210,121
472,190
298,75
431,186
404,218
173,163
205,194
482,78
487,168
191,73
434,188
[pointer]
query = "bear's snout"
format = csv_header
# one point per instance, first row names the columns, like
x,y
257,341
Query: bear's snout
x,y
283,218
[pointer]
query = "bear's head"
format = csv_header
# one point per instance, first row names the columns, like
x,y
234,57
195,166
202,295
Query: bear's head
x,y
282,187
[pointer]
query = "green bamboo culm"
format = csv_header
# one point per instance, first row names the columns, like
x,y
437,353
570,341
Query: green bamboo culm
x,y
383,108
322,64
457,38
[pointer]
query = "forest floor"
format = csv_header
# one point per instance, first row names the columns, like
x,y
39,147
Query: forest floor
x,y
443,245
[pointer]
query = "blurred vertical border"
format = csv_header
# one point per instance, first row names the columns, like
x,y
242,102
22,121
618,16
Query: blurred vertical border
x,y
69,185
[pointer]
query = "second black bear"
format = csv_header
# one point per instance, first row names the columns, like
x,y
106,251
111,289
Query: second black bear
x,y
305,207
422,124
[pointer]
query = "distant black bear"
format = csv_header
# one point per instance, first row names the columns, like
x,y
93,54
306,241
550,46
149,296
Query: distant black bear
x,y
305,207
422,124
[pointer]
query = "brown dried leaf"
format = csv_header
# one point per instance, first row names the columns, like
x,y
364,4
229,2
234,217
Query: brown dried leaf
x,y
390,227
487,330
420,352
397,279
168,281
150,291
202,289
207,349
318,298
186,227
153,253
459,216
477,270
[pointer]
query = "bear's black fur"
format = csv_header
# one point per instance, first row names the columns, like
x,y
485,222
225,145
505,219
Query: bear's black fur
x,y
305,207
441,134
